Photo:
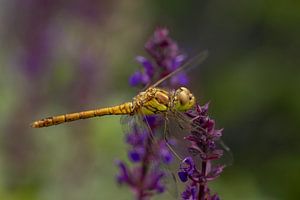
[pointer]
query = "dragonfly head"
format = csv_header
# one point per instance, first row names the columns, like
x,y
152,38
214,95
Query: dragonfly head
x,y
183,99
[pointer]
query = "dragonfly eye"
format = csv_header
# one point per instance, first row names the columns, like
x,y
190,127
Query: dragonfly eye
x,y
184,99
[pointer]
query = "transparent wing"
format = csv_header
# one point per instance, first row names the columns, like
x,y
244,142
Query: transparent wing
x,y
130,122
189,64
153,126
193,62
180,126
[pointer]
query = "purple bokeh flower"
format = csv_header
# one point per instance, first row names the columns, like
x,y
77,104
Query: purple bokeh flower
x,y
190,192
202,139
166,58
145,178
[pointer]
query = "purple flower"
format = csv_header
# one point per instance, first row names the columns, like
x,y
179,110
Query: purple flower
x,y
142,184
139,78
124,176
164,153
190,193
166,58
202,139
144,177
149,69
154,181
187,168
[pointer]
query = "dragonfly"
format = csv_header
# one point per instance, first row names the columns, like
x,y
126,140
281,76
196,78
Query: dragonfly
x,y
152,101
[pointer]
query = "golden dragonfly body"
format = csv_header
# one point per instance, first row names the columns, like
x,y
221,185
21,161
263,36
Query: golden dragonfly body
x,y
153,100
149,102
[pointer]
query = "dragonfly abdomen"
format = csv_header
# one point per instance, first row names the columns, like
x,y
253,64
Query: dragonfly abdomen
x,y
123,109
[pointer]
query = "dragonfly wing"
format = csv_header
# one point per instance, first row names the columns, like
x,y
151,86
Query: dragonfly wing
x,y
170,180
176,131
227,157
182,127
154,126
191,63
158,122
130,122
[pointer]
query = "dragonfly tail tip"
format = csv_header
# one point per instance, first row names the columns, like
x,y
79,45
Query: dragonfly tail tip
x,y
34,125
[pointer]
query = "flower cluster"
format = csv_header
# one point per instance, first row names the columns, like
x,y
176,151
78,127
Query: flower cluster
x,y
166,58
203,140
145,176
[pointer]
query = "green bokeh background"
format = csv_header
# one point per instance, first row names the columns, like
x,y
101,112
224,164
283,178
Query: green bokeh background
x,y
85,52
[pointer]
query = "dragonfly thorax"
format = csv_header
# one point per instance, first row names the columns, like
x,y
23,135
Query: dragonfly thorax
x,y
152,101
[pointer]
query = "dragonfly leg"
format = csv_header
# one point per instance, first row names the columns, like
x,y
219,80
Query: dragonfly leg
x,y
166,131
148,127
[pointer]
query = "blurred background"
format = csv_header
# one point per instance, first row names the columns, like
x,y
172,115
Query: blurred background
x,y
64,56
